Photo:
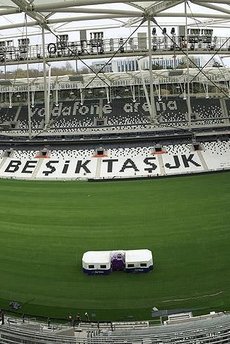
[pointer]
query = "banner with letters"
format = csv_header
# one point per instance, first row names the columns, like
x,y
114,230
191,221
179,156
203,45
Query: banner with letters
x,y
100,167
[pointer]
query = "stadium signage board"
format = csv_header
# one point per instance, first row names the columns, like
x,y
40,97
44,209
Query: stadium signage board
x,y
107,167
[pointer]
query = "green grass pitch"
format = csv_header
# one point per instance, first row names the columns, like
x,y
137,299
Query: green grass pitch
x,y
45,227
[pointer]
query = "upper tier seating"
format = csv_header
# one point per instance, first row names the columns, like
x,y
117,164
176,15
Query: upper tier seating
x,y
207,111
97,115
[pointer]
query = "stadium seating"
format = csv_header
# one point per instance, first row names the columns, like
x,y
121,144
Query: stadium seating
x,y
212,328
207,111
8,114
172,112
117,161
214,154
98,115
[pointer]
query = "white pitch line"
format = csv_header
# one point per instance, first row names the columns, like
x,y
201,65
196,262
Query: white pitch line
x,y
195,297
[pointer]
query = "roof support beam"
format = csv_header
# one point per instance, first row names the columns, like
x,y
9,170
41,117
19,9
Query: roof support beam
x,y
26,7
223,17
225,2
195,15
9,10
162,6
124,13
77,3
211,6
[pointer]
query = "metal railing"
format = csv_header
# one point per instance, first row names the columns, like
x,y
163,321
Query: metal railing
x,y
65,50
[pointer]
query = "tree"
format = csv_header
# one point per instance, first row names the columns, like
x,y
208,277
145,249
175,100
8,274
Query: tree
x,y
69,67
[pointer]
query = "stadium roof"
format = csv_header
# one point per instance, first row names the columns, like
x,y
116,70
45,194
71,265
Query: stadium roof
x,y
209,75
60,16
